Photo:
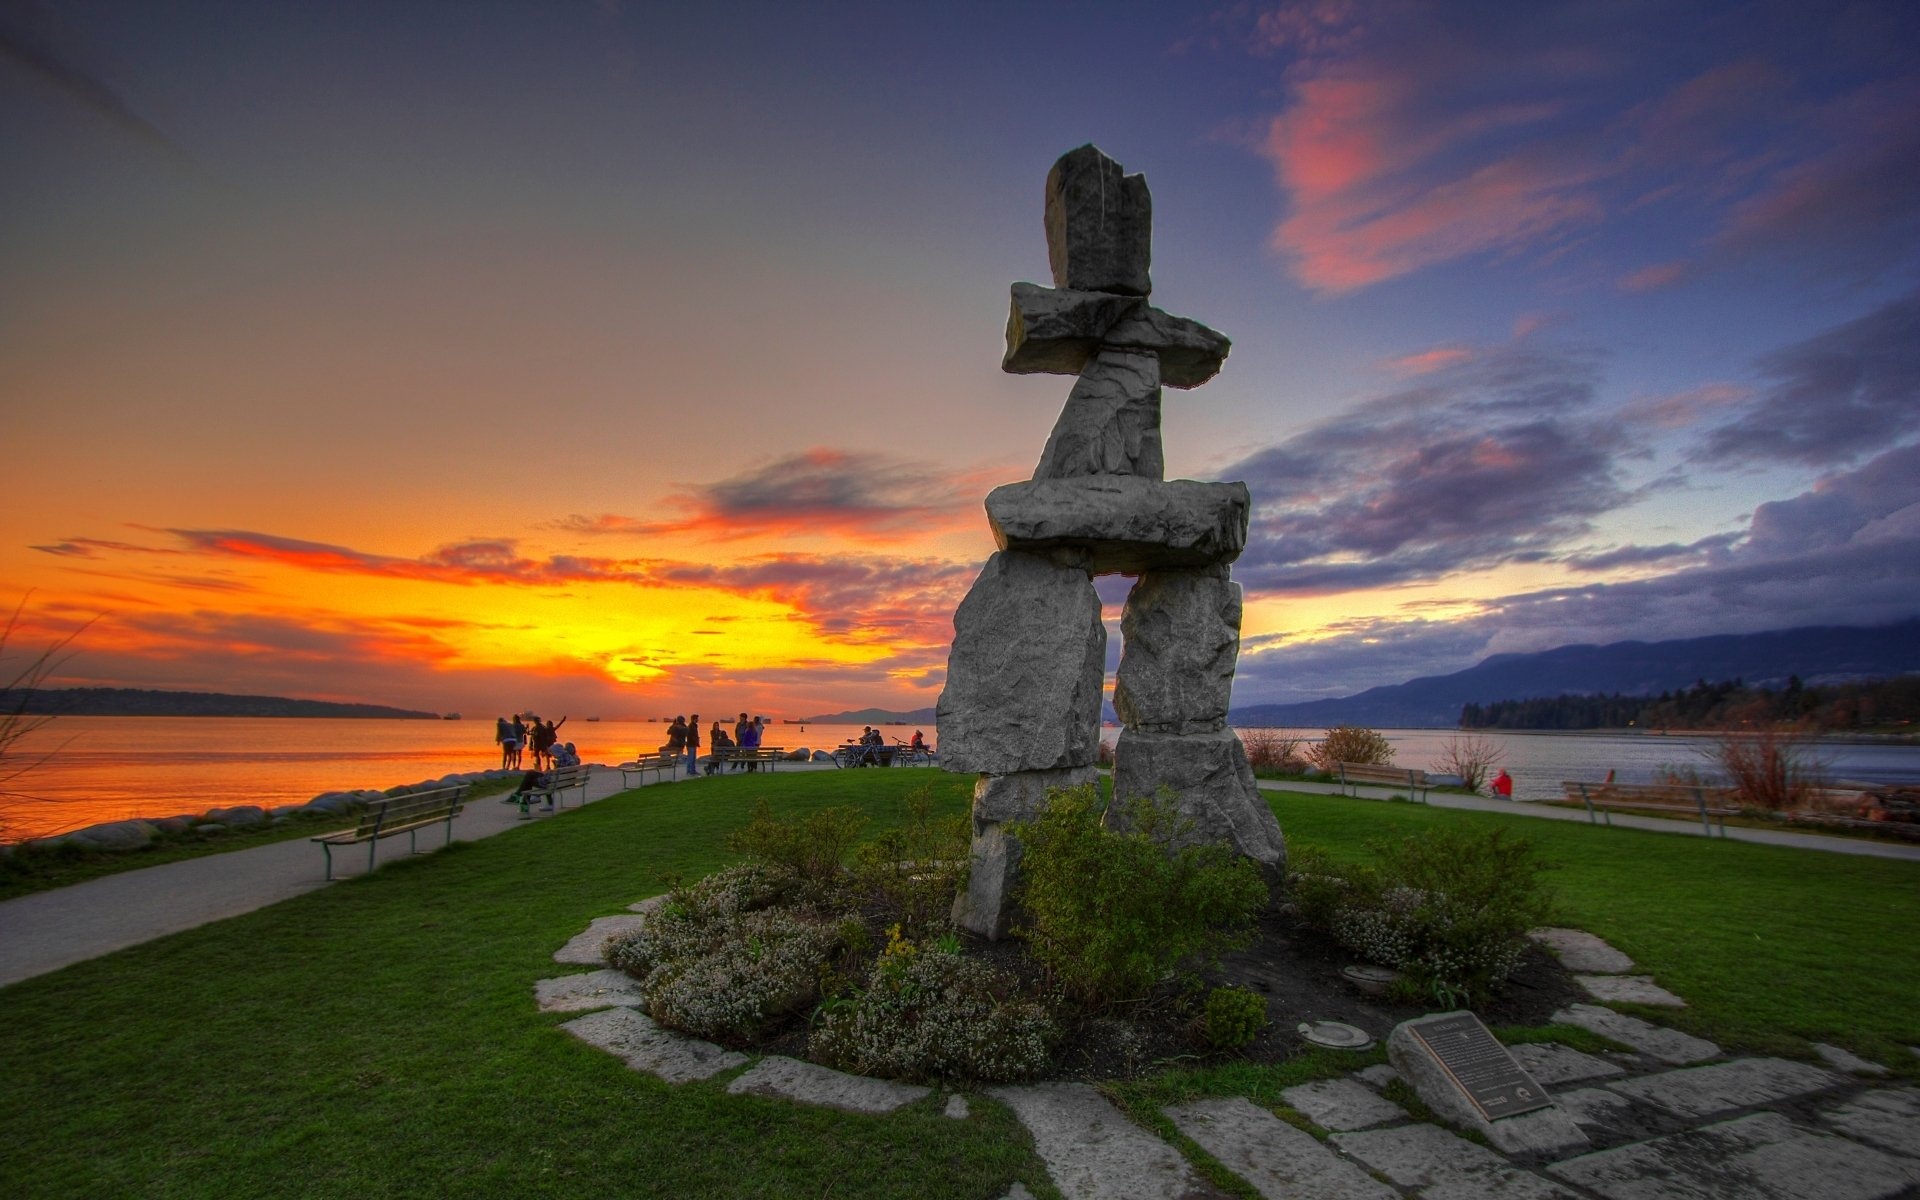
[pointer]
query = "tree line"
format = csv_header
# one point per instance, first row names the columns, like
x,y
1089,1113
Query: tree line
x,y
1857,705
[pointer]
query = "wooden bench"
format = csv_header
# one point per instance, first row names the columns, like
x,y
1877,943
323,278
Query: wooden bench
x,y
557,783
1688,799
406,814
1352,775
660,764
751,759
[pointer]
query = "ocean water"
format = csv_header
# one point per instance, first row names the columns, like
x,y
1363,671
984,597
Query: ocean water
x,y
93,769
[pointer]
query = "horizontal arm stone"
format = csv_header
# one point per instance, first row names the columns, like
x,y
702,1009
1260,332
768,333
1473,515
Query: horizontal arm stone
x,y
1126,524
1057,330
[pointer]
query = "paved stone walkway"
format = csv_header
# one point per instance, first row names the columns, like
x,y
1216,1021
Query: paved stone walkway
x,y
1667,1117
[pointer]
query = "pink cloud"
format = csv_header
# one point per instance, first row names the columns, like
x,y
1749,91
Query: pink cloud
x,y
1651,279
1423,362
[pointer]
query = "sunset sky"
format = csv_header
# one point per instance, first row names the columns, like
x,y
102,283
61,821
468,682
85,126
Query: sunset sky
x,y
630,359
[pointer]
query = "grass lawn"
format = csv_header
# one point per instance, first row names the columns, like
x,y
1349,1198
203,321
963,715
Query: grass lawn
x,y
378,1038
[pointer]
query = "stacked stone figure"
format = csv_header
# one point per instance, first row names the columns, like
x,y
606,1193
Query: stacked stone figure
x,y
1021,707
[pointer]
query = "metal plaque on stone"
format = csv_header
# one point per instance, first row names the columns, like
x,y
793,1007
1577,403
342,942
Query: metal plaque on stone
x,y
1486,1074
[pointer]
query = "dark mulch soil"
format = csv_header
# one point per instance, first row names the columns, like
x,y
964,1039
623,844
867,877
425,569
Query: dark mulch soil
x,y
1297,971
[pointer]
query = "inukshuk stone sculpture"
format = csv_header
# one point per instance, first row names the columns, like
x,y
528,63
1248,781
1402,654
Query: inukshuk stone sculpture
x,y
1021,706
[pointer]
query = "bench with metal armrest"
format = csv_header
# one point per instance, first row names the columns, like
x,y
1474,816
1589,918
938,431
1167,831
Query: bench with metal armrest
x,y
1687,799
1352,775
408,813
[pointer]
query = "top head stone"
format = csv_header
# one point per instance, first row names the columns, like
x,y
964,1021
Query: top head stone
x,y
1099,225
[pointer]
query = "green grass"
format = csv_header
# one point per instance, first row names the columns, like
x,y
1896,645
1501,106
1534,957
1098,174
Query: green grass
x,y
378,1038
34,870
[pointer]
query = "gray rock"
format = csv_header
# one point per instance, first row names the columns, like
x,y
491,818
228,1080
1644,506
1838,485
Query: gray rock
x,y
281,811
1023,796
1280,1161
237,817
809,1083
1212,788
334,804
1761,1157
644,1046
579,993
1889,1120
1726,1087
1553,1064
1111,422
173,825
1664,1045
1579,950
1129,524
586,949
1182,638
1598,1109
1025,675
1342,1104
209,829
117,836
1099,225
985,908
1443,1166
1629,989
1189,352
1055,331
1377,1076
1846,1060
1091,1150
1543,1131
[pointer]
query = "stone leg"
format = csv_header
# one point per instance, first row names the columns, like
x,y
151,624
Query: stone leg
x,y
985,908
1182,639
1212,787
1025,675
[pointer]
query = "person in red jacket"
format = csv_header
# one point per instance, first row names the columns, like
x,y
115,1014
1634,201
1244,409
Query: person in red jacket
x,y
1503,785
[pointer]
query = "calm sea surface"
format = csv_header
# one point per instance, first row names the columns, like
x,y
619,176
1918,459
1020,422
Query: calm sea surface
x,y
110,768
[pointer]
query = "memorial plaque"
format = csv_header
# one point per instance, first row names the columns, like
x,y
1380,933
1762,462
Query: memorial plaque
x,y
1480,1066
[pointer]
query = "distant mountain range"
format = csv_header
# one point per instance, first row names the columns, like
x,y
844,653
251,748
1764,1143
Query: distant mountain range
x,y
136,702
1817,654
873,716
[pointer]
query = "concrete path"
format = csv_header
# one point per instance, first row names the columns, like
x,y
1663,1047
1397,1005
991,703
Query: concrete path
x,y
49,930
1551,812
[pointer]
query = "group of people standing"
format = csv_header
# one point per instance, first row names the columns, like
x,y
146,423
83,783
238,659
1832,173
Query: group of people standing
x,y
516,735
683,741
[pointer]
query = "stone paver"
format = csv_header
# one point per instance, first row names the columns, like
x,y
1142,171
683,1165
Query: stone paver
x,y
1597,1109
1579,950
1629,989
957,1108
1759,1157
584,948
652,904
1666,1045
595,989
1889,1120
1445,1167
632,1036
1698,1092
810,1083
1342,1105
1280,1161
1091,1150
1846,1060
1379,1075
1553,1064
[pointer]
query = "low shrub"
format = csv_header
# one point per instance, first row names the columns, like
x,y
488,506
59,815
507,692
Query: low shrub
x,y
927,1012
1471,757
1449,910
914,871
1233,1017
1350,743
722,958
1772,769
1272,750
1111,914
813,847
759,968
